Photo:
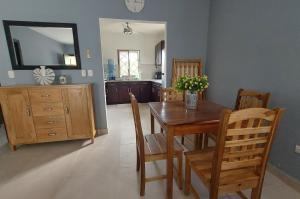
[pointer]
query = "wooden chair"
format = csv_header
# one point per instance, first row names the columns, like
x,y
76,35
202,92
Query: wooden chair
x,y
240,158
182,67
245,99
189,67
151,148
170,95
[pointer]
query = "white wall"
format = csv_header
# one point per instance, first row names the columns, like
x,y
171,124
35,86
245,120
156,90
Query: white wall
x,y
111,42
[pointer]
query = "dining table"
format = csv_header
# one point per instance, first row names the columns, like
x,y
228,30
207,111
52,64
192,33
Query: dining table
x,y
176,120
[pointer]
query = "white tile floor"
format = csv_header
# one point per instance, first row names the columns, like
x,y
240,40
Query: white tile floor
x,y
104,170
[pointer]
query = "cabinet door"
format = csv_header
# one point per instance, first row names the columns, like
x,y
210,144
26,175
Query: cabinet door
x,y
135,90
18,117
155,93
145,92
112,95
78,112
124,93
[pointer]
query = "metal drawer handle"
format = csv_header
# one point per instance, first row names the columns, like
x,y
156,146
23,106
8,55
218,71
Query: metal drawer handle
x,y
52,134
67,110
28,110
47,95
51,122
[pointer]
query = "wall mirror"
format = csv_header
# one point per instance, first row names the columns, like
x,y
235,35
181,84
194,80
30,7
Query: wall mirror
x,y
34,44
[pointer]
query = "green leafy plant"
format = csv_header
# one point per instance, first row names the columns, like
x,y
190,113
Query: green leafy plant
x,y
192,84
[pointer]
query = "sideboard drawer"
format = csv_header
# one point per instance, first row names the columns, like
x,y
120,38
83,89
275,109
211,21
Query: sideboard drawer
x,y
44,109
51,134
56,121
45,95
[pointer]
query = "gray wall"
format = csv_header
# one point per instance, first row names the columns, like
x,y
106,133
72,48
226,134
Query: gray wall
x,y
37,49
187,25
256,44
69,49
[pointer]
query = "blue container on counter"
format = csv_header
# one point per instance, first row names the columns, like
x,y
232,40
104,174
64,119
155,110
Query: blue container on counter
x,y
111,69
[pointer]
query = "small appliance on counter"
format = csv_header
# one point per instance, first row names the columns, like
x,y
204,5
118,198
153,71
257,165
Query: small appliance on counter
x,y
158,75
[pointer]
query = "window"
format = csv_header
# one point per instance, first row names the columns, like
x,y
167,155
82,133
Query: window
x,y
129,62
70,60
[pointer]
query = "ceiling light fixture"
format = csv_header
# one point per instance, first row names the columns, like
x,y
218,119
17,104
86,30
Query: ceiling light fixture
x,y
127,29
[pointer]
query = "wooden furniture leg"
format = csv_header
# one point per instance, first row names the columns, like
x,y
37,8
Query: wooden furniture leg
x,y
152,124
143,180
138,161
170,152
179,171
206,140
187,187
12,147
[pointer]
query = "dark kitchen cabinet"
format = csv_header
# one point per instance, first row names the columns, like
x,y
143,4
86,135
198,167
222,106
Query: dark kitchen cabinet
x,y
145,92
158,52
112,93
155,92
123,91
118,92
134,88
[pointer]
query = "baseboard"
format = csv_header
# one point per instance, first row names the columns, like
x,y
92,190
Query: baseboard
x,y
101,132
289,180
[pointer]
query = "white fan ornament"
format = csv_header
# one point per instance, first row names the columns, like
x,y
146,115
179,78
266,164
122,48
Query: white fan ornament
x,y
43,75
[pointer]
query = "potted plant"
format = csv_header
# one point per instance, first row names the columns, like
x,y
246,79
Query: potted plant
x,y
192,86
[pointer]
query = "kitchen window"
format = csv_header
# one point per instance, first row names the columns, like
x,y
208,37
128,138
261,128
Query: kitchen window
x,y
129,63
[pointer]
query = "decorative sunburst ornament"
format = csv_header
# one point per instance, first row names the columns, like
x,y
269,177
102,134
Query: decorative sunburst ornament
x,y
43,75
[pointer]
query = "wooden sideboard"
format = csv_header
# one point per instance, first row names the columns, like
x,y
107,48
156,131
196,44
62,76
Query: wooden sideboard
x,y
36,114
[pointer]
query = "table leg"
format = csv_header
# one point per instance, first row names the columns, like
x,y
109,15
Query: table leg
x,y
170,152
152,124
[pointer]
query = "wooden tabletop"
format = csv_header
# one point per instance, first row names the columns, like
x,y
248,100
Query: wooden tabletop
x,y
175,113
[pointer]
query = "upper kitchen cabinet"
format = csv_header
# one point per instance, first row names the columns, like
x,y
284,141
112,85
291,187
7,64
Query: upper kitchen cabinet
x,y
158,52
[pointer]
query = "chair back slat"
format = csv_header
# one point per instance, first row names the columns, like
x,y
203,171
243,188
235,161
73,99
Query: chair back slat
x,y
183,67
244,140
251,99
137,124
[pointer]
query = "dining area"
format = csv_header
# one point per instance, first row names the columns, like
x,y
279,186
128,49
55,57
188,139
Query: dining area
x,y
226,148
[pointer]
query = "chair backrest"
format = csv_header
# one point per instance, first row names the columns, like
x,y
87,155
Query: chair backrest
x,y
251,99
182,67
170,95
244,142
137,124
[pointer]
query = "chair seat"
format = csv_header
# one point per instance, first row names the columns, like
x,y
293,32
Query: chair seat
x,y
156,144
230,180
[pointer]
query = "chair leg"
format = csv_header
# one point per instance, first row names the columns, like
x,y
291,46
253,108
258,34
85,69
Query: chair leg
x,y
213,194
182,140
206,139
161,130
143,180
179,171
188,171
256,192
138,162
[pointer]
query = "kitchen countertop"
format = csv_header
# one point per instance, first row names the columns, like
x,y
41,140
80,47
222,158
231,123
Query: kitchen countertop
x,y
159,81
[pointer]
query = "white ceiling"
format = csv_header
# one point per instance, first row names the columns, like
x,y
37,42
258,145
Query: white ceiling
x,y
115,26
62,35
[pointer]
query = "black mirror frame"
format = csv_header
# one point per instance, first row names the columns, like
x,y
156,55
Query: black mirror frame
x,y
8,23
